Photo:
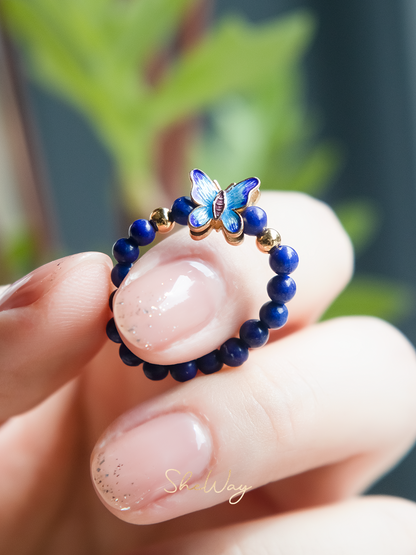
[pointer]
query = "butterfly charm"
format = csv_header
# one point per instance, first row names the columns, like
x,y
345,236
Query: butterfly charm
x,y
218,209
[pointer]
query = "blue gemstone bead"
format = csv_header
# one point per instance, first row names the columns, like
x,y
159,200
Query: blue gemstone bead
x,y
234,352
210,363
128,357
274,315
281,288
155,372
119,272
283,259
126,251
183,371
181,209
142,232
255,333
255,220
112,332
111,300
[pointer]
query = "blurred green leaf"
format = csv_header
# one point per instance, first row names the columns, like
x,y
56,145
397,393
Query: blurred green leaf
x,y
94,54
374,296
18,256
53,60
233,144
235,56
361,220
145,27
314,171
267,131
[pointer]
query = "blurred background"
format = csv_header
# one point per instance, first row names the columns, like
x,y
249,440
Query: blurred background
x,y
105,105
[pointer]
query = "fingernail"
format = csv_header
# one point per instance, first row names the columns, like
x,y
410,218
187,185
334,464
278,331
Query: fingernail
x,y
169,303
35,285
129,472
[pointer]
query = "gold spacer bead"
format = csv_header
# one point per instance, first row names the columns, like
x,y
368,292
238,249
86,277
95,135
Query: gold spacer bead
x,y
161,218
268,239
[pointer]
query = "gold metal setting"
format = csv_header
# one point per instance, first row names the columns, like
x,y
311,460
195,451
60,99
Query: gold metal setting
x,y
199,233
231,238
161,217
269,239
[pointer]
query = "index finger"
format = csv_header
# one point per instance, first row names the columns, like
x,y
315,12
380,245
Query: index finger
x,y
51,324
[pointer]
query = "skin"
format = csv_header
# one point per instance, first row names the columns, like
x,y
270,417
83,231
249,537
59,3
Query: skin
x,y
310,421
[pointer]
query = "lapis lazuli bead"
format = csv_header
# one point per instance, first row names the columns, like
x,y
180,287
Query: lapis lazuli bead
x,y
142,232
181,209
255,220
112,332
111,300
274,315
119,272
183,371
126,251
155,372
283,259
129,358
234,352
255,333
210,363
281,288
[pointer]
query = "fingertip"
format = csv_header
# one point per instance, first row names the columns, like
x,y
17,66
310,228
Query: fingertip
x,y
81,293
315,230
35,285
326,253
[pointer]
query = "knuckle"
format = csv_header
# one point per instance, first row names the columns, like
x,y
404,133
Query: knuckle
x,y
274,412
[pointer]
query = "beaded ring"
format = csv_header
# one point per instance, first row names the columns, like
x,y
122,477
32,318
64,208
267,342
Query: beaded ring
x,y
232,211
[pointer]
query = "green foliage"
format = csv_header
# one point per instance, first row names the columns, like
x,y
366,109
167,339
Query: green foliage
x,y
245,79
228,61
361,220
95,54
18,256
374,296
249,137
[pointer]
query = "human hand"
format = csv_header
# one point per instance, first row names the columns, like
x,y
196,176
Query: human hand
x,y
309,421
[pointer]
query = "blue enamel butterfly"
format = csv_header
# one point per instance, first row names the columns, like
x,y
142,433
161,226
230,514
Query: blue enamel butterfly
x,y
218,209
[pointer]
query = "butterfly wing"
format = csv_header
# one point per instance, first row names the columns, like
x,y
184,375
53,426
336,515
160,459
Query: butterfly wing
x,y
200,216
203,193
204,190
238,194
232,221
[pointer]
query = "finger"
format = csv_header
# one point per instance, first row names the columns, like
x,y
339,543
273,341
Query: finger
x,y
323,395
185,298
382,525
39,457
52,322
